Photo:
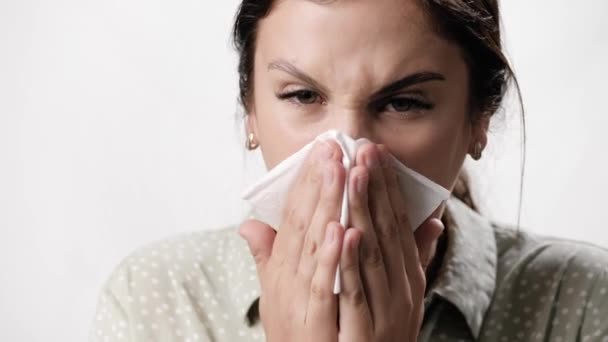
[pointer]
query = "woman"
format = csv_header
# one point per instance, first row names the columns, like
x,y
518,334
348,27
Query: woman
x,y
422,80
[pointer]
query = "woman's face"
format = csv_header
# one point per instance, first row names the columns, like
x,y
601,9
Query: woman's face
x,y
369,68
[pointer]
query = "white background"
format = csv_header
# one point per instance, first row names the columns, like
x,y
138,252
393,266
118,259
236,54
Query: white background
x,y
118,126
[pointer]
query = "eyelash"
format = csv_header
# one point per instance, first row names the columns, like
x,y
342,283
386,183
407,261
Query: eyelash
x,y
411,103
293,95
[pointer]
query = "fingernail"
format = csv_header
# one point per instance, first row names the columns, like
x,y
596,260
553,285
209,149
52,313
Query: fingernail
x,y
371,159
326,150
328,174
439,224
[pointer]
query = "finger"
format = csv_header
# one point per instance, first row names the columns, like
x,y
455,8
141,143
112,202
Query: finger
x,y
355,321
301,204
383,213
373,273
416,280
414,284
426,239
322,311
388,231
260,238
327,210
406,238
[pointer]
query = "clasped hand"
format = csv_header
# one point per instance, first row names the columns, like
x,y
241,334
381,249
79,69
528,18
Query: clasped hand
x,y
382,262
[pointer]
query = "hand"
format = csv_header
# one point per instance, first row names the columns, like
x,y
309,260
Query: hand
x,y
297,265
382,265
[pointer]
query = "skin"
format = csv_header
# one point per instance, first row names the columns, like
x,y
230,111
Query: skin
x,y
323,66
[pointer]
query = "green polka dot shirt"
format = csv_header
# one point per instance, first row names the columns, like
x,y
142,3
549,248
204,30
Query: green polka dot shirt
x,y
495,284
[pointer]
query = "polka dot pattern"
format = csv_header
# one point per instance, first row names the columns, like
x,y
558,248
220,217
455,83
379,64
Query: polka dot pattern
x,y
192,287
495,284
546,290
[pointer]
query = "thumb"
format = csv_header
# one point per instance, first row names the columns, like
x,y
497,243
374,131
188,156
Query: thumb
x,y
426,239
260,238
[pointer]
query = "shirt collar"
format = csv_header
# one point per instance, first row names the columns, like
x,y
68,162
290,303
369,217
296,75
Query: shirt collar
x,y
466,278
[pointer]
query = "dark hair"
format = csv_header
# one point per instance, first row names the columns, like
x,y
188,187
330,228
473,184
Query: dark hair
x,y
472,24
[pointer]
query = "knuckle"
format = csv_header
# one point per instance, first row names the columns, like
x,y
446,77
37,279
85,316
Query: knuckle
x,y
325,259
318,292
388,231
294,220
402,219
372,257
258,257
310,245
356,297
349,266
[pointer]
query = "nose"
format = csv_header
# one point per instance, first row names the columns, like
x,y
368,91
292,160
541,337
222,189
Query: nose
x,y
355,123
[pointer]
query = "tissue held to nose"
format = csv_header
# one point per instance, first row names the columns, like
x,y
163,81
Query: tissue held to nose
x,y
268,196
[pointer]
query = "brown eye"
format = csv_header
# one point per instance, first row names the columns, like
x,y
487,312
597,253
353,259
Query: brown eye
x,y
405,104
301,96
307,97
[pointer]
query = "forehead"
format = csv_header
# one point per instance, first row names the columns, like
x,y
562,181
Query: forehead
x,y
371,11
380,36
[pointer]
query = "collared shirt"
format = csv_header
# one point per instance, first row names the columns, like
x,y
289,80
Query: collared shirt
x,y
495,284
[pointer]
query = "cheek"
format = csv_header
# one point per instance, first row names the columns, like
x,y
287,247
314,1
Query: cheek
x,y
436,149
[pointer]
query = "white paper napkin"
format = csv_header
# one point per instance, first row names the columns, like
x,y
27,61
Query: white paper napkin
x,y
269,195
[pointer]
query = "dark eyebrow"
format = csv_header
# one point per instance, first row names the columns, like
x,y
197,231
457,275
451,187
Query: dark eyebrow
x,y
407,81
297,73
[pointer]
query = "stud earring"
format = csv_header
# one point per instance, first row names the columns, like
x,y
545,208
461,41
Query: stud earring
x,y
477,151
251,143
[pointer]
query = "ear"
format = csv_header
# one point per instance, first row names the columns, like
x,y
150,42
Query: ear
x,y
480,132
251,123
